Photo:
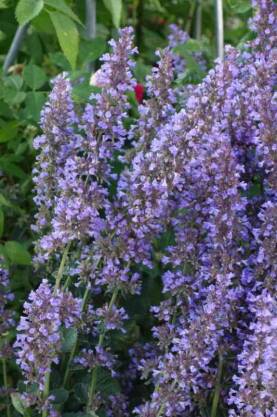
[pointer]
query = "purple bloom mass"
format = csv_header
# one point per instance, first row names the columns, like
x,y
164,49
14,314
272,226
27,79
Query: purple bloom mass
x,y
38,342
196,176
73,170
191,174
255,384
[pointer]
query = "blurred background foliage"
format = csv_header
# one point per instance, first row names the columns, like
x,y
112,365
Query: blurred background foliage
x,y
41,38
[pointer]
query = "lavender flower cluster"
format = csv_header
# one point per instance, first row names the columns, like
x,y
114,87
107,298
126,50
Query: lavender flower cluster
x,y
191,173
38,342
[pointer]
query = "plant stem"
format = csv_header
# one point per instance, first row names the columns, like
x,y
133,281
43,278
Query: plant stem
x,y
93,381
46,392
161,409
219,28
73,350
6,385
190,17
57,285
61,267
15,46
217,387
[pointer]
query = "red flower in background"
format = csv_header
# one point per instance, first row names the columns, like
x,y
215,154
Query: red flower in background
x,y
139,92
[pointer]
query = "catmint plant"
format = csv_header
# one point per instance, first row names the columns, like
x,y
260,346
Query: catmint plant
x,y
111,184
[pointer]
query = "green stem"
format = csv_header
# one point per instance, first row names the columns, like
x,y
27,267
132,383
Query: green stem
x,y
57,285
61,267
6,385
73,350
217,387
190,17
161,409
46,392
93,381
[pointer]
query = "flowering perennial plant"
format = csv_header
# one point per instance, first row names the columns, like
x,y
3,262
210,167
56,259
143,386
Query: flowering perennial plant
x,y
190,193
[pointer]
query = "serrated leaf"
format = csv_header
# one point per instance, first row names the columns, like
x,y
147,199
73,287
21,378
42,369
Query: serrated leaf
x,y
17,253
17,402
115,9
2,221
26,10
69,338
60,394
34,76
8,131
67,34
62,7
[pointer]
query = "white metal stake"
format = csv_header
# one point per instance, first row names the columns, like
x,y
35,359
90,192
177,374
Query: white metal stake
x,y
219,28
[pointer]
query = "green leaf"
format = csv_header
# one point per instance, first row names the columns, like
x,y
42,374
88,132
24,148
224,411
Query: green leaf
x,y
68,36
2,222
11,169
106,384
8,131
4,4
58,59
17,402
91,50
17,253
60,394
13,97
34,103
81,92
115,8
42,23
240,6
4,202
34,76
81,392
62,7
26,10
5,110
192,45
14,81
69,338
